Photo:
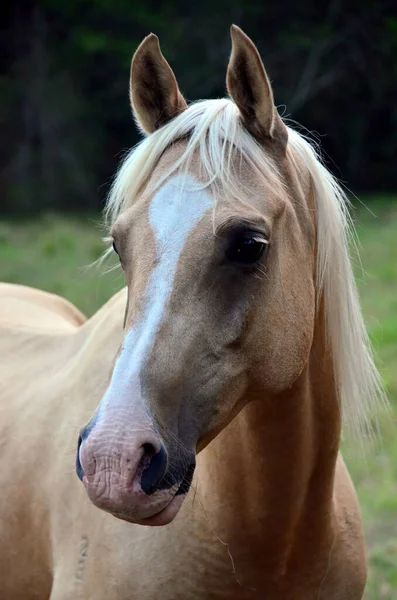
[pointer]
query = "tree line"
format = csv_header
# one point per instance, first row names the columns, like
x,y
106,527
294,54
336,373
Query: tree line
x,y
65,115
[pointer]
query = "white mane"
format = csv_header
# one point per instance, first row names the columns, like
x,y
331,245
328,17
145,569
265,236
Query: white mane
x,y
214,129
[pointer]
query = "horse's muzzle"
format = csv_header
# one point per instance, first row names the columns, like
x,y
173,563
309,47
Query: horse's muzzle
x,y
129,475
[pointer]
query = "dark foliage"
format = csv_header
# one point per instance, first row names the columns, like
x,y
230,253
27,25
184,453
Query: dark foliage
x,y
64,105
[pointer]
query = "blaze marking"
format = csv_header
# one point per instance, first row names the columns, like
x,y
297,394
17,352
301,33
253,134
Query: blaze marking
x,y
173,213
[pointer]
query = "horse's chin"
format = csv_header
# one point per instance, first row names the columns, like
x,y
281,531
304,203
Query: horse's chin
x,y
157,519
165,516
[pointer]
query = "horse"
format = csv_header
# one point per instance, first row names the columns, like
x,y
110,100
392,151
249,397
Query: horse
x,y
207,397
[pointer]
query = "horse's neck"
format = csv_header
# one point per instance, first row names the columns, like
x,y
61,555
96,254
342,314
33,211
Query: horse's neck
x,y
105,327
269,475
95,347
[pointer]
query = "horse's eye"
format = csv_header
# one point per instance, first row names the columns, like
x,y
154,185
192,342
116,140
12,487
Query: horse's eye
x,y
115,248
247,248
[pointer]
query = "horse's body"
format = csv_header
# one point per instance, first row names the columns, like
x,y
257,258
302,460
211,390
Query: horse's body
x,y
53,538
271,513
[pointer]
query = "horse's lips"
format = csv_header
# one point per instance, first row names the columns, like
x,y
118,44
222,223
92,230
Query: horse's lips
x,y
135,506
166,515
162,517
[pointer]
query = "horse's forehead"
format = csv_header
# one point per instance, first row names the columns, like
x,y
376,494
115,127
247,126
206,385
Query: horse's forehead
x,y
178,204
175,209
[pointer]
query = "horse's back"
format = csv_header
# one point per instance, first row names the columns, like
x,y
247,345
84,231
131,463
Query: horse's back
x,y
25,307
36,339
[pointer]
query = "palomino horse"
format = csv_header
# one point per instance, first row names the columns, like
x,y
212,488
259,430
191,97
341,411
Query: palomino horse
x,y
212,386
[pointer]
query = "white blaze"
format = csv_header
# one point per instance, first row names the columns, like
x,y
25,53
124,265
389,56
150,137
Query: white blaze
x,y
173,213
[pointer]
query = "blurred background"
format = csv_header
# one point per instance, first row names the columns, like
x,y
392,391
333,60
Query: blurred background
x,y
66,123
64,83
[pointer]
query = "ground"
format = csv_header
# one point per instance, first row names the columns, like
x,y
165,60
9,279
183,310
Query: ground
x,y
54,253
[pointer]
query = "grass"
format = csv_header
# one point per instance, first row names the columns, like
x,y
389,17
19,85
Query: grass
x,y
52,252
375,476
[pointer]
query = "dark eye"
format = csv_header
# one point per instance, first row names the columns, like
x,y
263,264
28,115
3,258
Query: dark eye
x,y
115,248
247,248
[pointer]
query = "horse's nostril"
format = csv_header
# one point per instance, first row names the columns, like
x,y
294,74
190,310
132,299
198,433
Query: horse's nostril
x,y
149,449
155,471
79,468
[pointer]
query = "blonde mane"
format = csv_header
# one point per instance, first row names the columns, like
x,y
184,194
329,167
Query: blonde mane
x,y
214,129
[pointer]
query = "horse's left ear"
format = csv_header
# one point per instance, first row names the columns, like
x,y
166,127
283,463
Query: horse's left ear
x,y
249,87
154,92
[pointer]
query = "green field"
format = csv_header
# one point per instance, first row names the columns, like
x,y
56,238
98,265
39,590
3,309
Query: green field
x,y
51,253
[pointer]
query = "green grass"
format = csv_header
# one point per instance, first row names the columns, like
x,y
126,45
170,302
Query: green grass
x,y
51,253
375,476
56,254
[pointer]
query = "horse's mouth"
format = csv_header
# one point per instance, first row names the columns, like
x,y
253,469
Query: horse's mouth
x,y
164,516
187,480
167,513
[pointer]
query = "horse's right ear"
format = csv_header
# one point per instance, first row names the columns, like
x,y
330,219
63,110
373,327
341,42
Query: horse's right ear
x,y
249,87
154,92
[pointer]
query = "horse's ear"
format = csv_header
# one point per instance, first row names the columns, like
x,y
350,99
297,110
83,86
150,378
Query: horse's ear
x,y
154,92
249,87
